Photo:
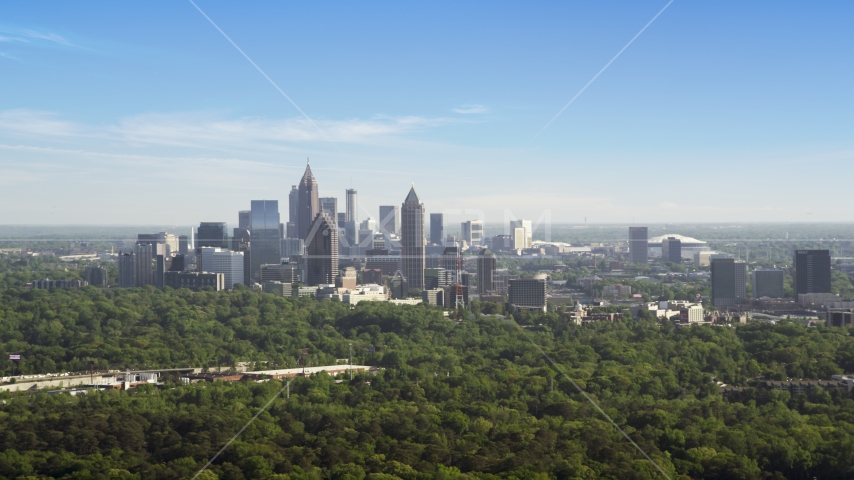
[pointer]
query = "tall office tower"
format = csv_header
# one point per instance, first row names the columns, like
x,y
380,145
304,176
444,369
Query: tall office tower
x,y
528,293
126,272
486,265
264,242
437,228
293,213
221,260
638,245
412,239
212,234
352,212
767,282
330,206
671,250
183,245
342,217
517,236
144,260
472,232
812,271
528,236
389,218
309,204
96,275
322,250
244,219
729,282
161,265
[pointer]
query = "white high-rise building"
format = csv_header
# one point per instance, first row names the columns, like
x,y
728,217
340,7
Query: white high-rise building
x,y
472,232
527,240
220,260
518,238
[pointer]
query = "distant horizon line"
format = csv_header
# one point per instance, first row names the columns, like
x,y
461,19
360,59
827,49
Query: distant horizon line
x,y
574,224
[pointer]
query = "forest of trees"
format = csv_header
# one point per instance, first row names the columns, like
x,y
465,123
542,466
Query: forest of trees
x,y
471,399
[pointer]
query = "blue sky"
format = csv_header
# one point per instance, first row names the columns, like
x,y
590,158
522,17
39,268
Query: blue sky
x,y
121,113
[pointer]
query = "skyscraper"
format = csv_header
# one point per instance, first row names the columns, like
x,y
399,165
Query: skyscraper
x,y
389,218
322,250
412,240
437,228
244,219
144,256
352,207
330,206
671,250
212,234
265,243
812,271
729,282
472,232
126,273
529,232
638,245
309,204
486,265
292,229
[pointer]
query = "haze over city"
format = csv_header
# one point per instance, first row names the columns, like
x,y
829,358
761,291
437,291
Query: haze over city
x,y
147,114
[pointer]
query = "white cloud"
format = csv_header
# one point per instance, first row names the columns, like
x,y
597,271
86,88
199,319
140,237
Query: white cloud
x,y
36,123
51,37
33,34
469,109
212,131
13,39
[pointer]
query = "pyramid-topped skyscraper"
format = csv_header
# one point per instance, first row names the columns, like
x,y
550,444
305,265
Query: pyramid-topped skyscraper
x,y
309,203
412,240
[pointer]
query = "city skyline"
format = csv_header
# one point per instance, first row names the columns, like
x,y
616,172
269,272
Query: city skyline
x,y
138,104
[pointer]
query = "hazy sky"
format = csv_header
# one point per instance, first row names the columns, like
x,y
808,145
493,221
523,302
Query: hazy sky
x,y
131,113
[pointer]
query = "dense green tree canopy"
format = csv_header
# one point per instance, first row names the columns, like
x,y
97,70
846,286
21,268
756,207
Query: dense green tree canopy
x,y
475,398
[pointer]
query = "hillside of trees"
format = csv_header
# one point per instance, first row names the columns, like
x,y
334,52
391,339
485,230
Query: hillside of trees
x,y
474,399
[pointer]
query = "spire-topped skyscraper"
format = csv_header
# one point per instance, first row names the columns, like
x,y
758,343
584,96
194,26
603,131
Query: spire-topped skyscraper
x,y
309,203
412,239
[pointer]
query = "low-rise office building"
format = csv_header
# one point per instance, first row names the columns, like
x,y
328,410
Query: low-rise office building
x,y
195,280
528,293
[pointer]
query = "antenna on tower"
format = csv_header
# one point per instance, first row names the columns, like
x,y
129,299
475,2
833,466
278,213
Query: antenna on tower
x,y
307,160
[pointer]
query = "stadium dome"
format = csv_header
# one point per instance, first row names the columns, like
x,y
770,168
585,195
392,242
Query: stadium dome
x,y
690,245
